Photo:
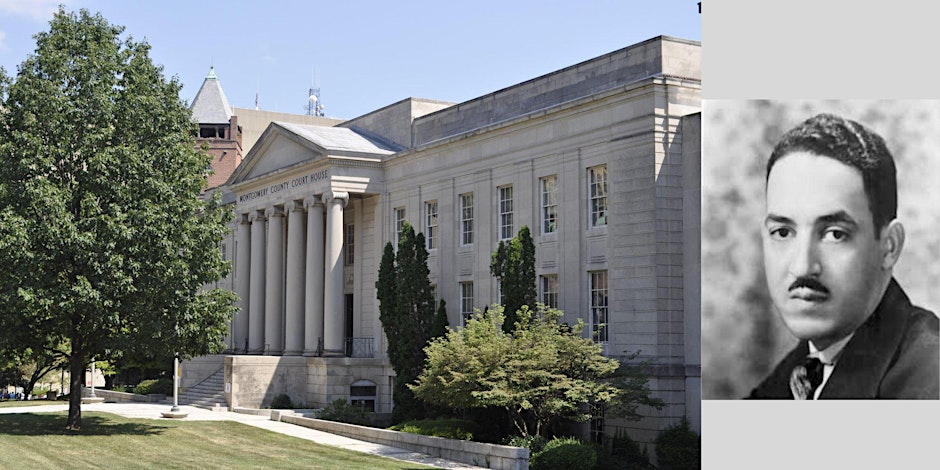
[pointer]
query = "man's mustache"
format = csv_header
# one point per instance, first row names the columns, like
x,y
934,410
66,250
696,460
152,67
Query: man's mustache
x,y
809,283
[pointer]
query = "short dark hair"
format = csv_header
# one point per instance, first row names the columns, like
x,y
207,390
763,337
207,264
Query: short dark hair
x,y
853,144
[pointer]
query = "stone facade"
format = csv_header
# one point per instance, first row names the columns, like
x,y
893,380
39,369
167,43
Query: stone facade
x,y
599,160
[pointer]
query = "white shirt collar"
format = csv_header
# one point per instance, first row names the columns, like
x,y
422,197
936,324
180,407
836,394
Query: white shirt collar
x,y
830,355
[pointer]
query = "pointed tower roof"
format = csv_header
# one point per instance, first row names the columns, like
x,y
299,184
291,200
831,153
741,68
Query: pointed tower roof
x,y
210,105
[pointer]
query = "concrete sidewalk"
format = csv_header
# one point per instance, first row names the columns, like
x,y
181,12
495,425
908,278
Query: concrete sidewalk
x,y
152,411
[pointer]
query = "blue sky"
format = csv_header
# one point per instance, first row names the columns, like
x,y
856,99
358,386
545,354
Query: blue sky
x,y
365,54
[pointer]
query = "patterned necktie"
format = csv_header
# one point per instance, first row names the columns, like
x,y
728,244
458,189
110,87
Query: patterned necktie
x,y
805,378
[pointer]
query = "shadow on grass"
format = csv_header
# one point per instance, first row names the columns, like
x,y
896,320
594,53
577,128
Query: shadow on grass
x,y
53,424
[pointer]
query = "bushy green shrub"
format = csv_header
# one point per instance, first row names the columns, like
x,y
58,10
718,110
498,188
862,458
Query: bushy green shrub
x,y
163,385
344,412
451,428
620,452
281,402
563,453
533,443
679,447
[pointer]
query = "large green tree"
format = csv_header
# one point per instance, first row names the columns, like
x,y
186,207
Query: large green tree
x,y
406,310
25,367
541,373
105,241
513,263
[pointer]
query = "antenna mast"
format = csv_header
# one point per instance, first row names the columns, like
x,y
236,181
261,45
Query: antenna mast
x,y
314,107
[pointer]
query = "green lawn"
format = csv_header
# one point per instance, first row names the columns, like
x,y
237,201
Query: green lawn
x,y
19,403
40,440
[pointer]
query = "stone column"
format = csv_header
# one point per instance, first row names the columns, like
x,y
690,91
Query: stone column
x,y
313,302
333,340
242,281
274,283
294,284
256,290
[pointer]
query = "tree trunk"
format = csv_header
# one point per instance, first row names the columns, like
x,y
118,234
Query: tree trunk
x,y
77,378
28,388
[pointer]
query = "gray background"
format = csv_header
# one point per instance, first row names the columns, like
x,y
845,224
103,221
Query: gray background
x,y
819,49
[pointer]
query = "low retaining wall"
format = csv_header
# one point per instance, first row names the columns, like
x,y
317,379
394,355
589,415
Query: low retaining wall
x,y
121,397
469,452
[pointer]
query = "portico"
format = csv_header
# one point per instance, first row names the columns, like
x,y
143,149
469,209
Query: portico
x,y
291,197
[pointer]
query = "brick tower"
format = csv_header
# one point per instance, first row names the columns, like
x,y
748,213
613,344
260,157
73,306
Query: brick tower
x,y
218,129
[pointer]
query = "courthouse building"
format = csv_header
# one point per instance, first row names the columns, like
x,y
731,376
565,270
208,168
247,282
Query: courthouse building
x,y
600,160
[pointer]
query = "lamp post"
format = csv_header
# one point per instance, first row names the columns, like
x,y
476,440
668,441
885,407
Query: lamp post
x,y
93,378
175,410
176,383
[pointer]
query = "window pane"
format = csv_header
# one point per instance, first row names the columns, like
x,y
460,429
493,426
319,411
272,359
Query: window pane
x,y
466,219
549,204
599,305
597,188
431,223
505,213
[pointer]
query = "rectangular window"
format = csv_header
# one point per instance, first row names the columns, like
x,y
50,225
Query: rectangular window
x,y
399,223
505,213
597,190
599,306
549,204
350,244
430,209
466,300
466,219
548,284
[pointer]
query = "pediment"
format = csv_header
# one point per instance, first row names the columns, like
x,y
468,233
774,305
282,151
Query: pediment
x,y
274,153
284,145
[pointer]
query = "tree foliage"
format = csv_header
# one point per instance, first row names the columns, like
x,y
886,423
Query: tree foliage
x,y
513,264
25,367
439,327
406,310
105,241
541,373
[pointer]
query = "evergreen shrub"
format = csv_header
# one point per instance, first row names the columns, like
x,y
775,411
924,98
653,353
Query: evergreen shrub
x,y
450,428
563,453
342,411
281,402
163,385
679,447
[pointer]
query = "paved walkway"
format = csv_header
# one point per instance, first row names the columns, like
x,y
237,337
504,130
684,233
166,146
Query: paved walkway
x,y
152,411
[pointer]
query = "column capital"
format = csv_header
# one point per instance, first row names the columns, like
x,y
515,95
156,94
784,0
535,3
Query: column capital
x,y
310,201
256,215
244,218
293,205
274,211
339,197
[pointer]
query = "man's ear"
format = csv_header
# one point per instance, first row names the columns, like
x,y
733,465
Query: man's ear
x,y
892,242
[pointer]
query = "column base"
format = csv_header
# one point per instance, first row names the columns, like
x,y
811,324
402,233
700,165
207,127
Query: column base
x,y
314,353
334,353
295,352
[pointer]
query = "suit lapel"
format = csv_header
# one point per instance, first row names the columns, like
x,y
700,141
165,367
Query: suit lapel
x,y
868,354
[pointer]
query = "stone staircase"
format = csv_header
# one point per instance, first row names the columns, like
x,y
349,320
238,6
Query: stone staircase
x,y
206,394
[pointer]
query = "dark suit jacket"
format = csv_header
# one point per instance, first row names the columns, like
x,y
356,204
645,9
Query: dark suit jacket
x,y
894,354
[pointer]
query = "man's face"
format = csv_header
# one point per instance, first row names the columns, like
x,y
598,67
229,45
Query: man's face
x,y
822,260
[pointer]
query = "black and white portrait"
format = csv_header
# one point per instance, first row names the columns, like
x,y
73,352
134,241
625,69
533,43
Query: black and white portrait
x,y
820,249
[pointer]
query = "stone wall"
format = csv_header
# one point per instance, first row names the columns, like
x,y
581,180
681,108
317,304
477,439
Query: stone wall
x,y
469,452
253,381
657,56
393,122
122,397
